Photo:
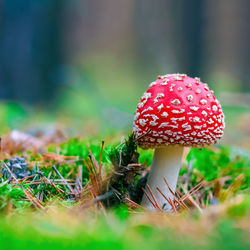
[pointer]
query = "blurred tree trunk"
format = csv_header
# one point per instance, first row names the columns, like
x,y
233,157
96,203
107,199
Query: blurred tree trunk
x,y
169,32
30,49
95,27
227,42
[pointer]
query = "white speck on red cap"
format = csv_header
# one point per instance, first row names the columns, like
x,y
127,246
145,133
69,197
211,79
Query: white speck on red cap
x,y
190,97
215,108
165,107
160,107
152,84
147,109
164,114
176,102
164,124
203,101
159,95
143,122
194,108
165,82
178,77
176,111
204,113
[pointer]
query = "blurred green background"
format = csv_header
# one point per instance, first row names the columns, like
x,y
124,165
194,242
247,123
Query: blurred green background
x,y
83,65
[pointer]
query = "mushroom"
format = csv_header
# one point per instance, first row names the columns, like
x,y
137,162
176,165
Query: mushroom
x,y
176,111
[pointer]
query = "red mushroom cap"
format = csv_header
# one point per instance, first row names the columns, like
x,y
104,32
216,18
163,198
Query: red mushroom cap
x,y
177,109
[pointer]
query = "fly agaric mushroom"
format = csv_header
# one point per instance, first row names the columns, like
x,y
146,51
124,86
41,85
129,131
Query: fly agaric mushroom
x,y
174,112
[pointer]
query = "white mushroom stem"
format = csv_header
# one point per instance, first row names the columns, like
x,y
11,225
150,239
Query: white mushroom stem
x,y
166,164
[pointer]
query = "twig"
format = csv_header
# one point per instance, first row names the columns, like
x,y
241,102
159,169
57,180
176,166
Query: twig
x,y
120,160
12,175
172,205
134,203
100,161
180,200
69,173
167,199
32,199
51,183
122,142
59,174
77,189
80,176
98,198
156,203
148,197
207,201
194,189
191,199
171,191
26,178
102,208
3,183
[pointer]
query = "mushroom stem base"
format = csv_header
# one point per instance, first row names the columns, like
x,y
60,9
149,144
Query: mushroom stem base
x,y
166,164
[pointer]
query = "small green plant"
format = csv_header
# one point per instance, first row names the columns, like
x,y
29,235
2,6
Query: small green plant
x,y
14,195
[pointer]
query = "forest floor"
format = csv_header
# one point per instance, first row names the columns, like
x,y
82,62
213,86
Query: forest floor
x,y
58,192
